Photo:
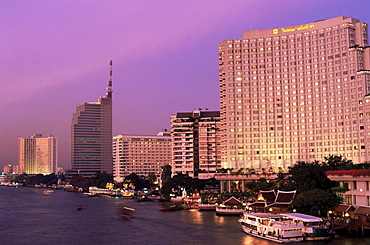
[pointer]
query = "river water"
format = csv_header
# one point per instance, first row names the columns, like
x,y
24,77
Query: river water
x,y
28,216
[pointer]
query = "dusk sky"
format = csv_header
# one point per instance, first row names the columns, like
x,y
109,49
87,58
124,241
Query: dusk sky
x,y
55,55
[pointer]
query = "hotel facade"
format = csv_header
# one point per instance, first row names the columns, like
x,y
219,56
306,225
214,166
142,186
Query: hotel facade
x,y
296,93
141,154
91,136
196,143
37,154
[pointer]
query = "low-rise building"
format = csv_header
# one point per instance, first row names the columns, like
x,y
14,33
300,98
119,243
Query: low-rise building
x,y
358,184
140,154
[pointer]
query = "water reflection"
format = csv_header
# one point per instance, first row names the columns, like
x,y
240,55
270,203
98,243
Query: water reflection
x,y
220,220
196,216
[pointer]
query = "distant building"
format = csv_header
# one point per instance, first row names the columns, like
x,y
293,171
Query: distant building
x,y
196,142
38,154
298,93
91,139
8,169
140,154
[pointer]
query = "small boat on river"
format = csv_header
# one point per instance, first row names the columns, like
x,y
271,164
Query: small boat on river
x,y
273,227
126,213
171,206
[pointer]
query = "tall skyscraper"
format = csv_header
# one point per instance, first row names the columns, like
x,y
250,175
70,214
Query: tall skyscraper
x,y
196,143
297,93
141,154
37,154
91,139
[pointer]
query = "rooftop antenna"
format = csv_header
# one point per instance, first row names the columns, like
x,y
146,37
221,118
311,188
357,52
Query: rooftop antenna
x,y
109,88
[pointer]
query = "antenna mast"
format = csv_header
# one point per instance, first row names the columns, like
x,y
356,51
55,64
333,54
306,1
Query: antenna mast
x,y
109,88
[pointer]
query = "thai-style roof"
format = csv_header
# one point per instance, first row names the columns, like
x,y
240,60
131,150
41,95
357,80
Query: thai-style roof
x,y
232,200
285,196
362,210
344,208
266,196
269,199
257,204
353,173
279,205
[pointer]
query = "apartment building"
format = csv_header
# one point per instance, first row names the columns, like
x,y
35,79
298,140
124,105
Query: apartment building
x,y
196,143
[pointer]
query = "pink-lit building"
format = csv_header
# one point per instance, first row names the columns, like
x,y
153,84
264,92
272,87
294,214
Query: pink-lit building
x,y
38,154
296,93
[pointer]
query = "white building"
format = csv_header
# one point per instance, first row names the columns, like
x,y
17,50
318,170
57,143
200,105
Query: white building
x,y
140,154
196,143
358,184
296,93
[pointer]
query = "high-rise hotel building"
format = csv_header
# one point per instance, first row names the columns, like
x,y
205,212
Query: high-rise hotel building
x,y
91,139
37,154
297,93
141,154
196,145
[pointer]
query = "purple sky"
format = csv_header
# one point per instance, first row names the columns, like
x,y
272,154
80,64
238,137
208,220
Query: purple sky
x,y
55,55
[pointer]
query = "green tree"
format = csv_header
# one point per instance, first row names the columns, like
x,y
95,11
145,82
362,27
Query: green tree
x,y
100,180
309,175
78,181
262,184
137,182
315,202
167,183
333,162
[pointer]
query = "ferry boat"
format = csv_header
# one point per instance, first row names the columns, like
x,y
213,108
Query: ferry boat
x,y
314,228
273,227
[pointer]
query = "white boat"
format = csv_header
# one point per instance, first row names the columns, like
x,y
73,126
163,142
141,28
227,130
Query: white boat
x,y
177,199
273,227
314,228
231,206
206,206
228,210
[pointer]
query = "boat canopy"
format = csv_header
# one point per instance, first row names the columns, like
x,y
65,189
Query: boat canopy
x,y
302,217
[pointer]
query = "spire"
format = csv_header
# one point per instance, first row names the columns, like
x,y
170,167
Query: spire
x,y
109,88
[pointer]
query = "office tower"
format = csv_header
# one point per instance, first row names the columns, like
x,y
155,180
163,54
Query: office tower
x,y
196,142
91,139
141,154
297,93
37,154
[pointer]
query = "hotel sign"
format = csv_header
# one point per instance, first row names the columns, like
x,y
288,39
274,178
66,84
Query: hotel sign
x,y
293,29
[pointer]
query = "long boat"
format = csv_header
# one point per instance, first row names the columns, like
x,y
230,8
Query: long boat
x,y
207,207
314,228
273,227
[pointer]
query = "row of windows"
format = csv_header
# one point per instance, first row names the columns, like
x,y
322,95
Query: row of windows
x,y
286,157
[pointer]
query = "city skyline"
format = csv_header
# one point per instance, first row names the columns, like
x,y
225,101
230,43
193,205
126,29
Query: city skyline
x,y
54,58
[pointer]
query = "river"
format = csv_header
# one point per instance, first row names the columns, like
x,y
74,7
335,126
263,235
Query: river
x,y
28,216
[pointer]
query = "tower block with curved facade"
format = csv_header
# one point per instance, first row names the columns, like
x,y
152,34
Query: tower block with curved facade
x,y
297,93
91,139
